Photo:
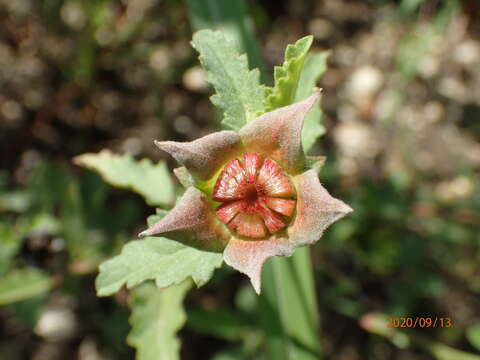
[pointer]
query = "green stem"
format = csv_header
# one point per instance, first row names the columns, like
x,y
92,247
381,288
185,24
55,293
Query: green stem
x,y
289,309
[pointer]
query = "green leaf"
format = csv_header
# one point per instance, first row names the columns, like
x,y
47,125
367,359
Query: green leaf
x,y
473,335
27,312
287,76
313,68
157,315
444,352
16,201
166,261
75,230
152,181
232,18
10,242
235,353
238,91
22,284
221,323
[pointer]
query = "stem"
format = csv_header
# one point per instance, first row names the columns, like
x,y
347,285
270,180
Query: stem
x,y
289,308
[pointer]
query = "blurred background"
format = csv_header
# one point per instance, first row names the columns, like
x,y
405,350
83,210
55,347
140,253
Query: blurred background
x,y
402,113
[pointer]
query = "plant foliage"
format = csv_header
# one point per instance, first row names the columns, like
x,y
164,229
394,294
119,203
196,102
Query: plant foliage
x,y
238,92
287,76
152,181
157,315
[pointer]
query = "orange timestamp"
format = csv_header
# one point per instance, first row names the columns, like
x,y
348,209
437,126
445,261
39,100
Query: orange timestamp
x,y
420,322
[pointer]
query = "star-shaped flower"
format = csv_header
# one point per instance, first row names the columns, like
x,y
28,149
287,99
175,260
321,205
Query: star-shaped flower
x,y
250,194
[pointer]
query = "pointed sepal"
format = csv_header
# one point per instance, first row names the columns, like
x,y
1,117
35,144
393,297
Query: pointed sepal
x,y
192,222
278,134
316,210
248,257
203,157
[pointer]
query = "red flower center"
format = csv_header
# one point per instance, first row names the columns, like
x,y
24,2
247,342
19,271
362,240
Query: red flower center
x,y
256,194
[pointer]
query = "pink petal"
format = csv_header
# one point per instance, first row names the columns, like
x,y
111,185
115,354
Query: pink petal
x,y
273,181
250,225
227,211
226,188
248,257
229,185
252,163
235,169
282,206
193,223
273,221
316,210
278,134
203,157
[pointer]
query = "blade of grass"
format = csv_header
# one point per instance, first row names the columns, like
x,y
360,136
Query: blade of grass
x,y
297,308
269,308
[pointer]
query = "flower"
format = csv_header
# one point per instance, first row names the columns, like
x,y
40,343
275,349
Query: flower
x,y
250,194
254,192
